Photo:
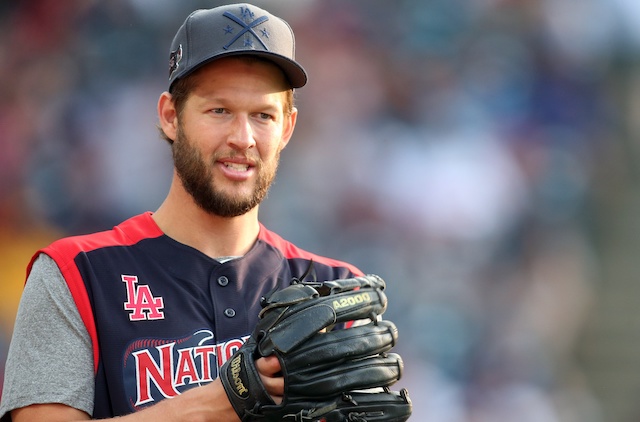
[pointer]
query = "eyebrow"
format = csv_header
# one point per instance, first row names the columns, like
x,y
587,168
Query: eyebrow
x,y
261,105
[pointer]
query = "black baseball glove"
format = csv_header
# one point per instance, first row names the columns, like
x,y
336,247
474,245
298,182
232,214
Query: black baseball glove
x,y
330,376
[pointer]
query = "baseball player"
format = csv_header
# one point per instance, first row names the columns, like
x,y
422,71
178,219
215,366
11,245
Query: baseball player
x,y
113,324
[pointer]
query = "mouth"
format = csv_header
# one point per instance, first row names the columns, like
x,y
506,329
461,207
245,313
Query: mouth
x,y
236,166
237,170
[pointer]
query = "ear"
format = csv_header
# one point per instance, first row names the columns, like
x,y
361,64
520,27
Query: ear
x,y
168,115
289,126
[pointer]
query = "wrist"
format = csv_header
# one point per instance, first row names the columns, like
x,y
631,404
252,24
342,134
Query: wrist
x,y
208,403
221,401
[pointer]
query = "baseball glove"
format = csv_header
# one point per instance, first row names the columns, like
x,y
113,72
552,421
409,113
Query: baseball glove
x,y
330,376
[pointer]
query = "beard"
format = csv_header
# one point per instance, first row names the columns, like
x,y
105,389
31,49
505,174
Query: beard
x,y
196,176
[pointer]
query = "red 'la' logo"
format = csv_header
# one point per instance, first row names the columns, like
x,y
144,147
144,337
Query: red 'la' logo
x,y
140,301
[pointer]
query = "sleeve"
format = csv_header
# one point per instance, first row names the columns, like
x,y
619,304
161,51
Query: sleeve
x,y
50,357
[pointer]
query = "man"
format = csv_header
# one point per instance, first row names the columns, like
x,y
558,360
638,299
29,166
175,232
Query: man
x,y
112,323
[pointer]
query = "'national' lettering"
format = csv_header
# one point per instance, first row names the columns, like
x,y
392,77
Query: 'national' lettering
x,y
166,370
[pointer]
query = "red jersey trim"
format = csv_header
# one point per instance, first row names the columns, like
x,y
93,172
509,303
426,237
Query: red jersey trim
x,y
290,251
64,252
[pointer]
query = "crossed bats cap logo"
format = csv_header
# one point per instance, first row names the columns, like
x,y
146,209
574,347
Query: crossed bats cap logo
x,y
235,29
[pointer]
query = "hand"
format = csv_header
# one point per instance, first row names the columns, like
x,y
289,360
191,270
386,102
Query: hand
x,y
278,373
271,376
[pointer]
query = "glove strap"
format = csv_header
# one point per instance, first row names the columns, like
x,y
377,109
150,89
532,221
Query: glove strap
x,y
242,384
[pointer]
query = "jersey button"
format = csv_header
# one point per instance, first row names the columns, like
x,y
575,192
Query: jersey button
x,y
223,281
230,312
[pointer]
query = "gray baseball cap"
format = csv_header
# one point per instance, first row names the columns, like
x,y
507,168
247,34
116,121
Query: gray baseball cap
x,y
235,29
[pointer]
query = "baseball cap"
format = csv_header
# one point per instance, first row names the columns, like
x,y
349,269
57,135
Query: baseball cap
x,y
235,29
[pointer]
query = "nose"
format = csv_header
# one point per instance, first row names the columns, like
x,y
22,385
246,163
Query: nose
x,y
241,133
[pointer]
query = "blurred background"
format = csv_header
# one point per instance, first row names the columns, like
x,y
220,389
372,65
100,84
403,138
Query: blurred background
x,y
481,156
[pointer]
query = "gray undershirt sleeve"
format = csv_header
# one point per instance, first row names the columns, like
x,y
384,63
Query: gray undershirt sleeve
x,y
50,356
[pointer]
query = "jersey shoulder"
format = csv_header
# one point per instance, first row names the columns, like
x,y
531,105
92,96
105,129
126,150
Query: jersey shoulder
x,y
127,233
292,252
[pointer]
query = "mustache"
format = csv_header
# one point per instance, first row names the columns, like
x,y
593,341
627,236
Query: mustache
x,y
250,157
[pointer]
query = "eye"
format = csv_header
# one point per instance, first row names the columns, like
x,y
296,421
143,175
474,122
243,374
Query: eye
x,y
219,110
265,116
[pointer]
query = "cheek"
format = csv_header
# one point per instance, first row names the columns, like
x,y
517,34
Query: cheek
x,y
272,151
272,144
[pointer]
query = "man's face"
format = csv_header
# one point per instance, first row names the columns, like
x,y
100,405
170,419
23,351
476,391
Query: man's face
x,y
230,135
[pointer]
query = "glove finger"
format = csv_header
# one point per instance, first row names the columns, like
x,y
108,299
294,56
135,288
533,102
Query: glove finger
x,y
349,306
296,329
375,371
352,298
303,291
286,329
335,347
391,406
326,288
357,304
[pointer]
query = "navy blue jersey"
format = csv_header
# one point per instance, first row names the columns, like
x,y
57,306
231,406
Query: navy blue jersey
x,y
162,316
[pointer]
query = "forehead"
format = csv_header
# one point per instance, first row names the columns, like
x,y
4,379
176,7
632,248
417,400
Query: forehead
x,y
242,71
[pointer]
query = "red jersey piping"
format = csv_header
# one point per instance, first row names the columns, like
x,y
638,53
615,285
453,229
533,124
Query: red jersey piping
x,y
64,252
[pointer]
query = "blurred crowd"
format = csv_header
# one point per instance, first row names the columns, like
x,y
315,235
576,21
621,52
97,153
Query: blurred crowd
x,y
450,146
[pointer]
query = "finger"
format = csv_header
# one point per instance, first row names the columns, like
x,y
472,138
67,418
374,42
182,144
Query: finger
x,y
269,366
270,374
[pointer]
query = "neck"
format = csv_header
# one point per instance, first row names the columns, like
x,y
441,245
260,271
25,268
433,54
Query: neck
x,y
181,219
